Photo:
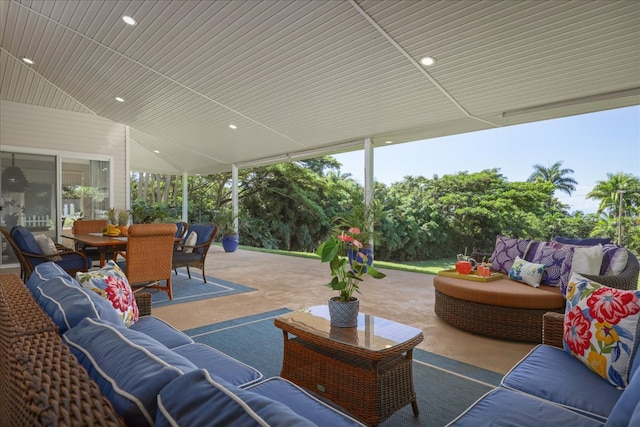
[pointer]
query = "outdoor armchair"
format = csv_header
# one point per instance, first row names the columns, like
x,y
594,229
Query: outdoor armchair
x,y
194,255
182,229
147,260
29,253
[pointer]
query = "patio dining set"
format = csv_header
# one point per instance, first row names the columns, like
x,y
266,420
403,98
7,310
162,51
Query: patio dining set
x,y
147,254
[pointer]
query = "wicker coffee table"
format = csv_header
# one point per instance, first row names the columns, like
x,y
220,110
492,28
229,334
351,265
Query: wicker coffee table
x,y
367,370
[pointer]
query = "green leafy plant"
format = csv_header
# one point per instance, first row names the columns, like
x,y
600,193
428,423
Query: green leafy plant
x,y
346,276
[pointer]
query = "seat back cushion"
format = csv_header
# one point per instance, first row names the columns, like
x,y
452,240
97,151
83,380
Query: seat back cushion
x,y
129,367
589,241
111,284
67,303
219,404
505,252
628,402
601,328
25,240
162,331
614,260
44,272
204,232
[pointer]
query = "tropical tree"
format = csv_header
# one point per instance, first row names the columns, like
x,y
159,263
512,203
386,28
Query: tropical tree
x,y
618,187
556,176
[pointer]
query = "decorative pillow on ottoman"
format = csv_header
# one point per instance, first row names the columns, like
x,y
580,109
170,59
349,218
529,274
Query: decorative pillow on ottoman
x,y
112,284
526,272
554,259
506,251
600,327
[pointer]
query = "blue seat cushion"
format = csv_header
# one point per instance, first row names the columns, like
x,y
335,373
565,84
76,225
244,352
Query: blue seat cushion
x,y
210,402
502,407
161,331
129,367
302,403
67,303
219,364
553,374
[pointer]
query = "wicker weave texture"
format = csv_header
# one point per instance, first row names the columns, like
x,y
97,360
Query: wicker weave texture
x,y
41,382
369,388
553,329
502,322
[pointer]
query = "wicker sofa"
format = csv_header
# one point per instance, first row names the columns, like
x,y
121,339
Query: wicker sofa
x,y
508,309
65,360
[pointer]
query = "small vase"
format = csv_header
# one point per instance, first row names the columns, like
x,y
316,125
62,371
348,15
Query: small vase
x,y
344,314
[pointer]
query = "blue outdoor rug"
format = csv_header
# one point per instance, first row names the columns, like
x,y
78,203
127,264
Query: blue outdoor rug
x,y
194,289
444,387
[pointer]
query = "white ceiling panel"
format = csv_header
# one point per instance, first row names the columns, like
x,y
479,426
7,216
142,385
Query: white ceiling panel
x,y
309,75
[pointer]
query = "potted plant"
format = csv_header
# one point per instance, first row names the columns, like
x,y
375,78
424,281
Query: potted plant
x,y
123,222
345,276
226,221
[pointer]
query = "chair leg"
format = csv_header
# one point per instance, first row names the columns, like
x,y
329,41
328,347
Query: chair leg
x,y
169,290
188,272
204,277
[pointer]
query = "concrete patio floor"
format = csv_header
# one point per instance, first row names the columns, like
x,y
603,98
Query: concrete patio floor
x,y
293,282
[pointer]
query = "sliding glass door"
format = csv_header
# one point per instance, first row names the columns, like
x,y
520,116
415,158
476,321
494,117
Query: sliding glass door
x,y
32,195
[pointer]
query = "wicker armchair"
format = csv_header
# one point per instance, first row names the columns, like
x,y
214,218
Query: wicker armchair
x,y
29,254
182,229
194,256
148,256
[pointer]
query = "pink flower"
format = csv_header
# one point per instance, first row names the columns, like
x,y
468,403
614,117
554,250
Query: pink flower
x,y
577,332
354,230
118,293
346,238
356,243
611,305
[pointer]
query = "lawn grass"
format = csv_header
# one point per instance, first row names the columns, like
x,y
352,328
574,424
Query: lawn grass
x,y
425,267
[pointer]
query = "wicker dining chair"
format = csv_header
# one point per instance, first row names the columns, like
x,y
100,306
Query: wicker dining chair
x,y
29,254
84,226
182,229
148,256
195,255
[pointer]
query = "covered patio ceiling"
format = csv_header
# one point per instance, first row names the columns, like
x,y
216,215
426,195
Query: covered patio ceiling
x,y
300,78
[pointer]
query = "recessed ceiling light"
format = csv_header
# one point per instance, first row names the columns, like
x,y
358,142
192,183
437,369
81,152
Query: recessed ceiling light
x,y
427,61
28,61
233,127
129,20
156,151
388,142
119,99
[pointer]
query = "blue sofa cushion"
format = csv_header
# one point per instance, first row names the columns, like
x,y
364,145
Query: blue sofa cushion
x,y
553,374
629,402
67,303
161,331
219,364
212,403
302,403
129,367
508,408
43,272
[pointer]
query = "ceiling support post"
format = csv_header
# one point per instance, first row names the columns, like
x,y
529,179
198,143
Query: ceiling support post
x,y
185,197
368,179
234,196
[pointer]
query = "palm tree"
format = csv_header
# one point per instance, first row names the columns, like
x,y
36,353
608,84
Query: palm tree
x,y
619,187
556,177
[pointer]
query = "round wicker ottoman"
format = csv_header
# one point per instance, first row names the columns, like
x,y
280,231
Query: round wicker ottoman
x,y
502,308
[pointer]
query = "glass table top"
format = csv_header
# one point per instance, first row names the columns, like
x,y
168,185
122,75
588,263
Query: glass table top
x,y
372,333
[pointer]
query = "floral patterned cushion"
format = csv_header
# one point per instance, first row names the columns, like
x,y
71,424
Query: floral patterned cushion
x,y
526,272
600,325
112,284
505,252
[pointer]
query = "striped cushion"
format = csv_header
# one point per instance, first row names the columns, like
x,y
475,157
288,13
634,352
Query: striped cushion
x,y
219,404
129,367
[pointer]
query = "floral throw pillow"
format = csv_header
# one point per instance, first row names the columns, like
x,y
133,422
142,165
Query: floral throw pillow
x,y
526,272
112,284
600,325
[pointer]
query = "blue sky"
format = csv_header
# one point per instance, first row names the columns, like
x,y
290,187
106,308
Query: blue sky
x,y
591,144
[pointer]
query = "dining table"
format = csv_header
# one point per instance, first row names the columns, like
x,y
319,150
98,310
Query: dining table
x,y
103,243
